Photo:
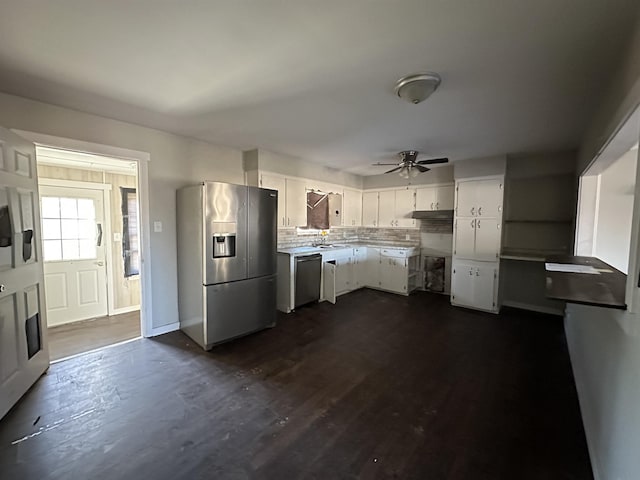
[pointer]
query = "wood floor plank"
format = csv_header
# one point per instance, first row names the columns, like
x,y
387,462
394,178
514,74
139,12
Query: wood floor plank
x,y
376,386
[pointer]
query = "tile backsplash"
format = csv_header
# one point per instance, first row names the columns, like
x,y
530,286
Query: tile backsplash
x,y
288,237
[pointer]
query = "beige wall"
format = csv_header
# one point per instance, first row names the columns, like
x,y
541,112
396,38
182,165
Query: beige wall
x,y
125,291
175,162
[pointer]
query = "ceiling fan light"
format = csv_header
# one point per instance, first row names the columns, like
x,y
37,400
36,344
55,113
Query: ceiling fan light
x,y
418,87
404,172
413,172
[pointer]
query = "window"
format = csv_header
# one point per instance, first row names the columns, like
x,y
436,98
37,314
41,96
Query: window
x,y
68,229
130,249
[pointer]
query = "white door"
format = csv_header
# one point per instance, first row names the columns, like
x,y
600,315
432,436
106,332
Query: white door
x,y
405,204
370,209
444,197
484,287
386,208
489,198
464,241
74,254
487,239
24,354
426,198
329,282
462,283
279,184
296,201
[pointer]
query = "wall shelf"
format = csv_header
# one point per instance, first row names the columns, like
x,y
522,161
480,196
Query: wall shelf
x,y
567,222
529,255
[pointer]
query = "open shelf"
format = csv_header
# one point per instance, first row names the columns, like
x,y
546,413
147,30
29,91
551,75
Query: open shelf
x,y
529,255
539,221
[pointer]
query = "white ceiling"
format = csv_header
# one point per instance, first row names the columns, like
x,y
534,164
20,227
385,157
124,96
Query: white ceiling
x,y
315,79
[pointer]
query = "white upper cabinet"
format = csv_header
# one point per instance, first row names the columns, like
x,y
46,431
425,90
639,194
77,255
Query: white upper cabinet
x,y
445,197
352,208
277,183
296,201
405,205
435,198
426,198
480,198
487,244
370,209
387,208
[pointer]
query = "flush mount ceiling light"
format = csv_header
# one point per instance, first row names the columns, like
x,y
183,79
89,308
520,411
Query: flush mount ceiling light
x,y
418,87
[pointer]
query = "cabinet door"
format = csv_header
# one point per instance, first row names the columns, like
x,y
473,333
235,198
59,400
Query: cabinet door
x,y
426,198
279,184
372,275
329,282
352,210
444,197
398,275
487,239
462,283
370,209
484,286
489,198
360,267
344,273
387,208
405,204
466,199
464,241
296,200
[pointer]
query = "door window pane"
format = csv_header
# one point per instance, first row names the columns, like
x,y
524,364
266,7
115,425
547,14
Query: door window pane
x,y
68,208
51,229
68,228
50,207
52,250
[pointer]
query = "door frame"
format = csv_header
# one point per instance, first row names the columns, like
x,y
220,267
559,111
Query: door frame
x,y
106,201
142,160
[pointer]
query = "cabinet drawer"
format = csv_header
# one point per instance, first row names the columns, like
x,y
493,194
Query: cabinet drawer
x,y
392,252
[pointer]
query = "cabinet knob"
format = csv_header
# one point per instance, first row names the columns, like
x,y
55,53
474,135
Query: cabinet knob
x,y
479,210
473,210
2,288
478,224
473,223
431,205
437,205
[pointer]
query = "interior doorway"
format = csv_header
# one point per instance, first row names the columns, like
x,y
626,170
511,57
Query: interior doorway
x,y
91,250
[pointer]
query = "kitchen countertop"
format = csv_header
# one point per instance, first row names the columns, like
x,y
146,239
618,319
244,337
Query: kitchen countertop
x,y
309,250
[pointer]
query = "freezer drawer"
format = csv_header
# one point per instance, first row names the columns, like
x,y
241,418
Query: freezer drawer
x,y
238,308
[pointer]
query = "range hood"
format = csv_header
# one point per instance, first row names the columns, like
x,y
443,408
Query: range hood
x,y
433,214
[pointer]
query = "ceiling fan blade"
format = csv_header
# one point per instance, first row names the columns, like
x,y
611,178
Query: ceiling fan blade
x,y
376,164
393,170
422,169
432,161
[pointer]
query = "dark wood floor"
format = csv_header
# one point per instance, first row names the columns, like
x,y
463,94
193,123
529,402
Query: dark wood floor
x,y
79,337
376,386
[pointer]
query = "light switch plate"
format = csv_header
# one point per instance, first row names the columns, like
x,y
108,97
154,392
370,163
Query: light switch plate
x,y
157,226
117,237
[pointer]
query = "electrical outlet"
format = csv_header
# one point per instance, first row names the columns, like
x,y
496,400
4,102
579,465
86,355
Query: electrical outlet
x,y
157,226
117,237
407,237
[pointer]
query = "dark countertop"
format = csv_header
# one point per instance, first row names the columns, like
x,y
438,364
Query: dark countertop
x,y
606,289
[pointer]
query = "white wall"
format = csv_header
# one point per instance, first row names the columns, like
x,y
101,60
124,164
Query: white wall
x,y
615,212
175,161
480,167
604,343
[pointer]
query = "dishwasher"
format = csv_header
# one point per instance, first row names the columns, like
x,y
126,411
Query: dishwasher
x,y
307,286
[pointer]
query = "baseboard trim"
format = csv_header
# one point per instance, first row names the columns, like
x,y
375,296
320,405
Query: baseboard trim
x,y
119,311
533,308
582,402
172,327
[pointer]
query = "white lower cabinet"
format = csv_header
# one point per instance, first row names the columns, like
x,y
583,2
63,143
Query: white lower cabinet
x,y
344,275
475,285
359,267
396,274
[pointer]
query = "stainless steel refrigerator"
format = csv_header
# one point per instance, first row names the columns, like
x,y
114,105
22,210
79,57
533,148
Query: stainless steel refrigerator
x,y
227,236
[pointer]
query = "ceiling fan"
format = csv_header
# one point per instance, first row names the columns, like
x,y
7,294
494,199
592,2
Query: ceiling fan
x,y
408,166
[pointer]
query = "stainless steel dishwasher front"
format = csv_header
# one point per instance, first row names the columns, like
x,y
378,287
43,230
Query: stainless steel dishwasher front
x,y
307,288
